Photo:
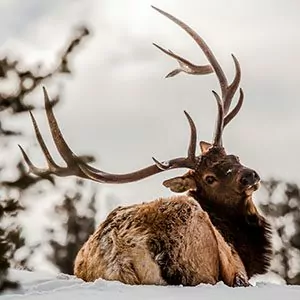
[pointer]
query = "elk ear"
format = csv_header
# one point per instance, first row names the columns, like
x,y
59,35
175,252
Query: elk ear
x,y
205,146
181,184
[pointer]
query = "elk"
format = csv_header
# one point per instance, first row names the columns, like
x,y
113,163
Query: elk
x,y
211,232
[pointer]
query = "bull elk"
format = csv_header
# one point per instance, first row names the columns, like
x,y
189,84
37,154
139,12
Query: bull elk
x,y
212,233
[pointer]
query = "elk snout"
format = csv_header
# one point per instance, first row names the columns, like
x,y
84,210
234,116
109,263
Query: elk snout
x,y
249,177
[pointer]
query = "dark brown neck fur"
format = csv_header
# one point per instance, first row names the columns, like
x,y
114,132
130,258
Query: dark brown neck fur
x,y
249,235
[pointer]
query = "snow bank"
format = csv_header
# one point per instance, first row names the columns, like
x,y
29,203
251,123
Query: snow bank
x,y
39,285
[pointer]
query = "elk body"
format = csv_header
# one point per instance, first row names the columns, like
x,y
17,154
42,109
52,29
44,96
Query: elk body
x,y
213,232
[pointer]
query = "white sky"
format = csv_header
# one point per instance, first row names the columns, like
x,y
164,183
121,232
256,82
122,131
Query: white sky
x,y
119,107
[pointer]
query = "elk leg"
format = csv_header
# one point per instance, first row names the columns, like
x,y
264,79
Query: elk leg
x,y
240,281
232,269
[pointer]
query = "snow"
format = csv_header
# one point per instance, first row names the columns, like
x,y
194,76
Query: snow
x,y
41,285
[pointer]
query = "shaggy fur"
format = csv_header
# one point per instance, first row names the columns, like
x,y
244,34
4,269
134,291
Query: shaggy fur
x,y
249,234
166,241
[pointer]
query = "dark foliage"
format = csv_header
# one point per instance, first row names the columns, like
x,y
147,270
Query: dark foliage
x,y
285,216
31,78
77,226
9,240
28,80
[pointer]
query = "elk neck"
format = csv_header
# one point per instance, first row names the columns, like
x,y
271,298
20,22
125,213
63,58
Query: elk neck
x,y
248,233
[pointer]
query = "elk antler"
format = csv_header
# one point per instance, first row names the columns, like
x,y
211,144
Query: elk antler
x,y
76,166
227,91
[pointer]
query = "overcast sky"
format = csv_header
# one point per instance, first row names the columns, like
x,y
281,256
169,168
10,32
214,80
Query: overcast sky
x,y
119,107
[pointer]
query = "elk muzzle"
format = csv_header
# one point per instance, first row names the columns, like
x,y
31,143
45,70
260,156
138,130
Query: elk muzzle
x,y
249,178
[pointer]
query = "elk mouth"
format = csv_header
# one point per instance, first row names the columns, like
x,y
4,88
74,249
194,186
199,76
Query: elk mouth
x,y
252,188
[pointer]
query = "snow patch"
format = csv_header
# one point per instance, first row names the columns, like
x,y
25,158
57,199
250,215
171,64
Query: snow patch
x,y
41,285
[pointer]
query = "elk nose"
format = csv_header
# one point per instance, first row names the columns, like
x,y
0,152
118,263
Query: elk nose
x,y
249,177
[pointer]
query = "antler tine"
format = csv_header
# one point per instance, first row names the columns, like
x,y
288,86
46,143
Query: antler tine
x,y
32,168
217,140
231,90
236,109
162,165
193,138
60,143
51,163
190,160
202,44
185,65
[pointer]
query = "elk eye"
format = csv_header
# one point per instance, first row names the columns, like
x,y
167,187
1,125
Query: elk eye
x,y
210,179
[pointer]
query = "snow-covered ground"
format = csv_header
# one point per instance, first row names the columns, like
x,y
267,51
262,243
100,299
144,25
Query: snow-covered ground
x,y
39,285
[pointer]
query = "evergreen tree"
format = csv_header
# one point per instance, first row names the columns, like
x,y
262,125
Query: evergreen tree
x,y
77,227
12,104
282,208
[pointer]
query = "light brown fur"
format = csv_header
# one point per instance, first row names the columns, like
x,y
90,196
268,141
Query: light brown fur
x,y
126,246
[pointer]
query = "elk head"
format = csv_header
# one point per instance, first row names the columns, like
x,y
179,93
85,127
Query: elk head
x,y
216,176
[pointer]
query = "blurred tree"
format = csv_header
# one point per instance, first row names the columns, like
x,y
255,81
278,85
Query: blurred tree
x,y
9,240
25,81
282,207
76,226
